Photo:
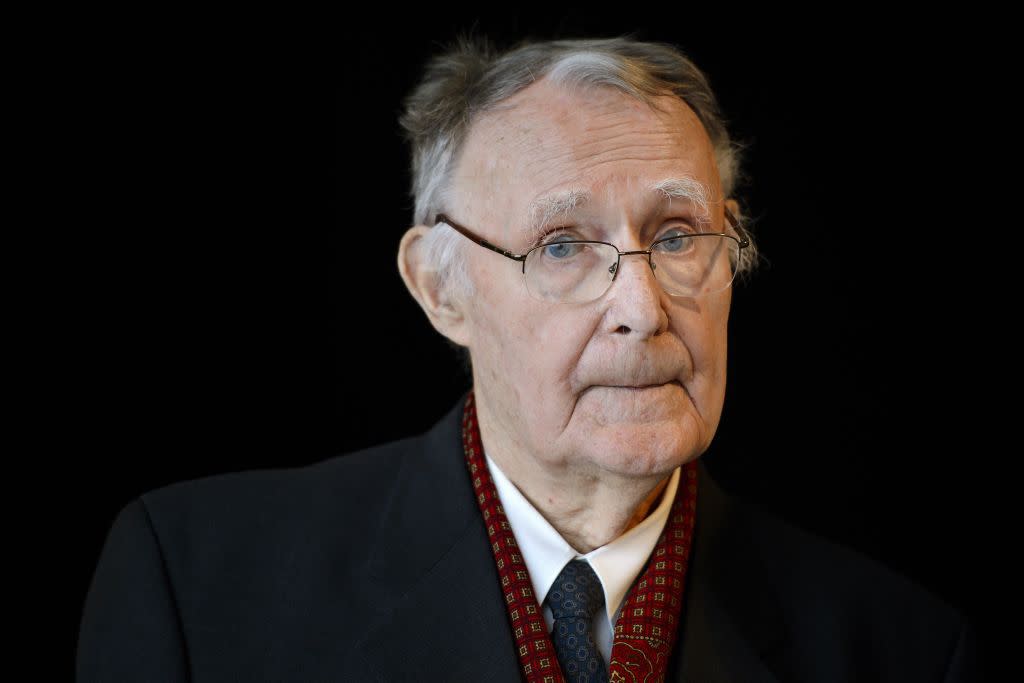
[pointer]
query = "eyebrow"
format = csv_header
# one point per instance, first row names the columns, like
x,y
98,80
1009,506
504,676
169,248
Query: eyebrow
x,y
544,209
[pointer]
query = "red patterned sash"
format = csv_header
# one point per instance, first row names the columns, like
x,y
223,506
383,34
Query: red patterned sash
x,y
648,624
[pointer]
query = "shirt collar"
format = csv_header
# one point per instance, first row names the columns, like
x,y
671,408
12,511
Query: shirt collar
x,y
546,552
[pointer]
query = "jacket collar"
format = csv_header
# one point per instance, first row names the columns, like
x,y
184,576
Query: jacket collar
x,y
446,614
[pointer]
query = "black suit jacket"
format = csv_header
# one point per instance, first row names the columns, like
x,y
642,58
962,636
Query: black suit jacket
x,y
375,566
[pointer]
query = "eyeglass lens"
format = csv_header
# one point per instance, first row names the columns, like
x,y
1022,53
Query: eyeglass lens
x,y
578,272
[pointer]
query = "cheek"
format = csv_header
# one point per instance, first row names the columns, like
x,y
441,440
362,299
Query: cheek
x,y
556,346
533,349
716,336
503,329
710,351
704,333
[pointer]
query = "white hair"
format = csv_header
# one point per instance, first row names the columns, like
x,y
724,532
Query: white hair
x,y
472,78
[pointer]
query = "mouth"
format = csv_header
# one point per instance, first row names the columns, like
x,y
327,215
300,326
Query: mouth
x,y
646,387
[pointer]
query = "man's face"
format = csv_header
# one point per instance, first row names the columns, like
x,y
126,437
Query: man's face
x,y
558,380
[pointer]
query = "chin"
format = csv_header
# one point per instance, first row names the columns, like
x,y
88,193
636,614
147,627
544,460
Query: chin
x,y
644,449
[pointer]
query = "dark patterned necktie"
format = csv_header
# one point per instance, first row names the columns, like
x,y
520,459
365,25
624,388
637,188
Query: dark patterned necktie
x,y
574,598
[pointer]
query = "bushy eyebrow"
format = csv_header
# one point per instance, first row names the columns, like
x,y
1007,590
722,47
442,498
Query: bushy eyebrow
x,y
684,187
544,209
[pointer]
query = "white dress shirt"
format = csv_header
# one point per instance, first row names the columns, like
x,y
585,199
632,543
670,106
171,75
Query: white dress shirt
x,y
617,563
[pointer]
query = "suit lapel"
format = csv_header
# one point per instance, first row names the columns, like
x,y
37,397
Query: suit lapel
x,y
732,624
446,619
444,616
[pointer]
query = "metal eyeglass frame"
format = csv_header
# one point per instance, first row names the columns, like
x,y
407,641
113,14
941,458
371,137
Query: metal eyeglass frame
x,y
743,242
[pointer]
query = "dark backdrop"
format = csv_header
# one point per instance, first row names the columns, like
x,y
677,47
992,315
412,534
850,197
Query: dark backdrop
x,y
232,299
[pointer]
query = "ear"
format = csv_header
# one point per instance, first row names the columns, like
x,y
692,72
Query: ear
x,y
422,280
733,207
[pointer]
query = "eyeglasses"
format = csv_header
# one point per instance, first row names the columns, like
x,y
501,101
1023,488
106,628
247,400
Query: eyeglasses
x,y
685,262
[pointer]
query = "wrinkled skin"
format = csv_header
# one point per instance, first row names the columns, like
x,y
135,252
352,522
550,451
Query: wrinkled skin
x,y
555,384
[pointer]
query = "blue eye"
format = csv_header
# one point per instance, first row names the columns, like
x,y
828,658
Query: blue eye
x,y
676,244
561,250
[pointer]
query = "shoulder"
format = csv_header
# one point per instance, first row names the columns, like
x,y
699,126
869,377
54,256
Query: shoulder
x,y
816,567
843,604
243,514
347,473
804,565
216,524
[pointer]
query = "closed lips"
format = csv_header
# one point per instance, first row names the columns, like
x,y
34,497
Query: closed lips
x,y
645,386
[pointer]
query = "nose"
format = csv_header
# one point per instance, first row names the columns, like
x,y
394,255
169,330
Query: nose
x,y
636,306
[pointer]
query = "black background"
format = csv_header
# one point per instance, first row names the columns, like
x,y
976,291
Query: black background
x,y
229,299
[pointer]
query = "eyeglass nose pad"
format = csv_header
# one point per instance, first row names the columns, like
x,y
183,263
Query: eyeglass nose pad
x,y
613,267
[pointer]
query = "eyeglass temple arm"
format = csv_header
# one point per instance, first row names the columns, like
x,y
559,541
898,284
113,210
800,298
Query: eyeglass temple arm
x,y
744,242
441,218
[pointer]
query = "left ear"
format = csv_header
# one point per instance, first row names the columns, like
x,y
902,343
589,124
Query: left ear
x,y
734,208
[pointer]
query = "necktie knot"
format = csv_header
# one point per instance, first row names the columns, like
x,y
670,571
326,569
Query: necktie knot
x,y
577,592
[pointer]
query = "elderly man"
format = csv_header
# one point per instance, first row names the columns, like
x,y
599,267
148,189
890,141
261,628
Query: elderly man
x,y
575,232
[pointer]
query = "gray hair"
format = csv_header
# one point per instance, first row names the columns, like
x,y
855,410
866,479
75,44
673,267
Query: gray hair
x,y
472,78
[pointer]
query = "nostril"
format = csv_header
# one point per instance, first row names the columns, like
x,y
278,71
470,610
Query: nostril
x,y
623,329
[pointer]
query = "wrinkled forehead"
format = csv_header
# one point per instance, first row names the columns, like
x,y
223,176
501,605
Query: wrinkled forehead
x,y
678,194
547,156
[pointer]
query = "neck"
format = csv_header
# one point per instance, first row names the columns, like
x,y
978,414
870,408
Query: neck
x,y
589,507
589,514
